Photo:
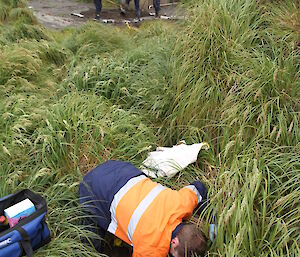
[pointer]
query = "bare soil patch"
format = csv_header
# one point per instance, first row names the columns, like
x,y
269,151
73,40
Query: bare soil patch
x,y
57,14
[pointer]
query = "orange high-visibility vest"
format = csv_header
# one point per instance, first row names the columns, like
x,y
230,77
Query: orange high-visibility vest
x,y
144,213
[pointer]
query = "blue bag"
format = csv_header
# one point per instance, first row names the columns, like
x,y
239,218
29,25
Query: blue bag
x,y
30,233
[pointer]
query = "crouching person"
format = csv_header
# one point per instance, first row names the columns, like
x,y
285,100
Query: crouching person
x,y
143,213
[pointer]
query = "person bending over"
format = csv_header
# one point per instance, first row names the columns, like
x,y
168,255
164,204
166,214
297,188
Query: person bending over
x,y
143,213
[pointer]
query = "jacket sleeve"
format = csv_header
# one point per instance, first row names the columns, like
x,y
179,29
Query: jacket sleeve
x,y
197,196
202,191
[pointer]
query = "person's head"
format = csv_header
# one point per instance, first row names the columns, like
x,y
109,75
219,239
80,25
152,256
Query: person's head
x,y
189,240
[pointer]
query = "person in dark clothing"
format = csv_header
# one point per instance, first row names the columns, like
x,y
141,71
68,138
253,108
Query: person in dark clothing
x,y
125,7
143,213
156,4
98,6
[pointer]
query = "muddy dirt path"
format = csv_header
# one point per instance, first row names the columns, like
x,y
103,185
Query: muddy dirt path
x,y
57,14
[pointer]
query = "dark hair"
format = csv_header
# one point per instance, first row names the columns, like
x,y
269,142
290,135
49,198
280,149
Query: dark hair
x,y
191,241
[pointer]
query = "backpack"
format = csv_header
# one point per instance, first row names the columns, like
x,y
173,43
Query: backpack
x,y
28,234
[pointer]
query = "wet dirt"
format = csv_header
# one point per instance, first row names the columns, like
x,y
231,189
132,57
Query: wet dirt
x,y
113,14
57,14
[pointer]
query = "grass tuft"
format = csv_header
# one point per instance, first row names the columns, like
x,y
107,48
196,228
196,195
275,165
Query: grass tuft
x,y
3,12
18,62
22,15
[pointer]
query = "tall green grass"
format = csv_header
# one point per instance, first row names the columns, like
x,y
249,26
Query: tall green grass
x,y
237,86
228,74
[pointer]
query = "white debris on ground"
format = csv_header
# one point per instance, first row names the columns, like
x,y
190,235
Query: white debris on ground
x,y
167,161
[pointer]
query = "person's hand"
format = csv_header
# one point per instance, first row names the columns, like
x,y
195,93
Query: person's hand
x,y
212,232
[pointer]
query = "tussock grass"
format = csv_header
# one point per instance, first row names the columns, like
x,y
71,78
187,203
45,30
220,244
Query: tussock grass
x,y
89,40
49,52
230,63
52,53
125,77
18,62
96,132
23,31
237,86
285,19
23,15
15,3
229,75
17,85
3,12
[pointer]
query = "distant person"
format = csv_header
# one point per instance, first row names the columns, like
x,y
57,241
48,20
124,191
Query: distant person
x,y
143,213
98,6
124,6
156,4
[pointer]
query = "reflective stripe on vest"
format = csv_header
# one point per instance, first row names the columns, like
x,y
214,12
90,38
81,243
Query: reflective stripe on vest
x,y
142,207
118,196
194,189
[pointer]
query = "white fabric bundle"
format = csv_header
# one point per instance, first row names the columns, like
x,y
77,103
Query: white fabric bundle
x,y
167,161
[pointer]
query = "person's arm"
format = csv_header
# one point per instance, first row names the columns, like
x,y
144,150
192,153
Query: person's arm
x,y
201,189
201,192
192,196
